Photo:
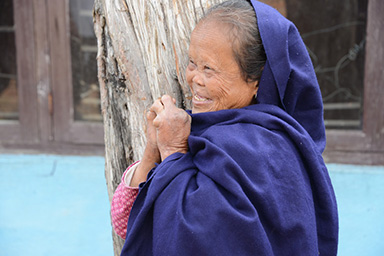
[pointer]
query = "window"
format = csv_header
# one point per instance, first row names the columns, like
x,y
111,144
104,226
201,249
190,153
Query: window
x,y
86,93
76,100
9,107
18,107
345,41
335,36
49,97
342,40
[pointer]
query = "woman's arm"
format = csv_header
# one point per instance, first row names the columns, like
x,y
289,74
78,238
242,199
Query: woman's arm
x,y
151,153
127,191
122,201
168,128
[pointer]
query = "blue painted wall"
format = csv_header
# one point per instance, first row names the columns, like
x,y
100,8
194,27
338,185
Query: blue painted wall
x,y
360,196
53,205
58,205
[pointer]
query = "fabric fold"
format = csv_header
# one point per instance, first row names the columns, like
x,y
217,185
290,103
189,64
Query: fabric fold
x,y
253,182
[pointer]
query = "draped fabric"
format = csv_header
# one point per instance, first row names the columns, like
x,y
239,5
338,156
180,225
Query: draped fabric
x,y
253,181
288,79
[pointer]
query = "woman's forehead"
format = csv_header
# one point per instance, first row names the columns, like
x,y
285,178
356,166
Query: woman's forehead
x,y
210,38
210,32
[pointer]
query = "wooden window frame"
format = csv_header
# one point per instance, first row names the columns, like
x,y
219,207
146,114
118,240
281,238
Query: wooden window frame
x,y
25,129
365,146
66,128
46,123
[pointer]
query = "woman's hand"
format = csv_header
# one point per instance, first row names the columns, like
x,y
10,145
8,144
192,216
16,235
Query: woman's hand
x,y
173,126
168,128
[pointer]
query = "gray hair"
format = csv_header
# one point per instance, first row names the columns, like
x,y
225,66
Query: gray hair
x,y
248,49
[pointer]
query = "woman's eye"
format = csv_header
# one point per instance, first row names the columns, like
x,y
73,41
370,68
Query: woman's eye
x,y
208,68
191,64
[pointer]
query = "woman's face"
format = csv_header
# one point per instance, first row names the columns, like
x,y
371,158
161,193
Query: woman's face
x,y
213,74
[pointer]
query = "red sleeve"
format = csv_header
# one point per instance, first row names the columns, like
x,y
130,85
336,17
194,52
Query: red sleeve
x,y
121,206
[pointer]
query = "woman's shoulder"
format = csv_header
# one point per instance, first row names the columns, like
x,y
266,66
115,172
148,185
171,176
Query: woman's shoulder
x,y
267,128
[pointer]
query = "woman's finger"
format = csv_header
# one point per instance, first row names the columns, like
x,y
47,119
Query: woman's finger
x,y
168,101
151,115
157,107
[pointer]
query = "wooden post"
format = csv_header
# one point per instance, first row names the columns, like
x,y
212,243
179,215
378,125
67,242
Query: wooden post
x,y
142,54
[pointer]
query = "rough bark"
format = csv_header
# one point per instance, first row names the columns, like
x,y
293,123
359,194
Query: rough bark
x,y
142,54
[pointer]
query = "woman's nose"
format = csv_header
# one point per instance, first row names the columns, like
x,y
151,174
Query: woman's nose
x,y
198,79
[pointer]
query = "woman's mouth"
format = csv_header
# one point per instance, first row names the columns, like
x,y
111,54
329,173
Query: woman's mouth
x,y
201,104
199,98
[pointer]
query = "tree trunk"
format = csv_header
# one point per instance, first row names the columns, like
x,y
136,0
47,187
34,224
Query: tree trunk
x,y
142,54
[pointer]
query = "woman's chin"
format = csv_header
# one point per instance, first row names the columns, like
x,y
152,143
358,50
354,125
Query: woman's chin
x,y
201,107
201,110
196,110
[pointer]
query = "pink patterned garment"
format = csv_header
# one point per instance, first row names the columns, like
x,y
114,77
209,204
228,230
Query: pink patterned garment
x,y
121,205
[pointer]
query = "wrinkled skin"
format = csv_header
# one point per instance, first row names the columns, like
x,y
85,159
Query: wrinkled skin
x,y
173,126
213,74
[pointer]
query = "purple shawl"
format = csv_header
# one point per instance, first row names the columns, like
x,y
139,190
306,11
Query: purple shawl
x,y
254,181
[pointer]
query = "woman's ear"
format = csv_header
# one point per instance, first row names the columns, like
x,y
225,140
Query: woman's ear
x,y
255,86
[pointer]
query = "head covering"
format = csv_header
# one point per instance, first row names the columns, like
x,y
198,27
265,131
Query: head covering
x,y
288,79
253,181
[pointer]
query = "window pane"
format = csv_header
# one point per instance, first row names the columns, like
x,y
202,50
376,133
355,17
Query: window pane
x,y
334,32
86,93
8,83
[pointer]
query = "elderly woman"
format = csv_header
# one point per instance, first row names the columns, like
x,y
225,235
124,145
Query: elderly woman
x,y
242,173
